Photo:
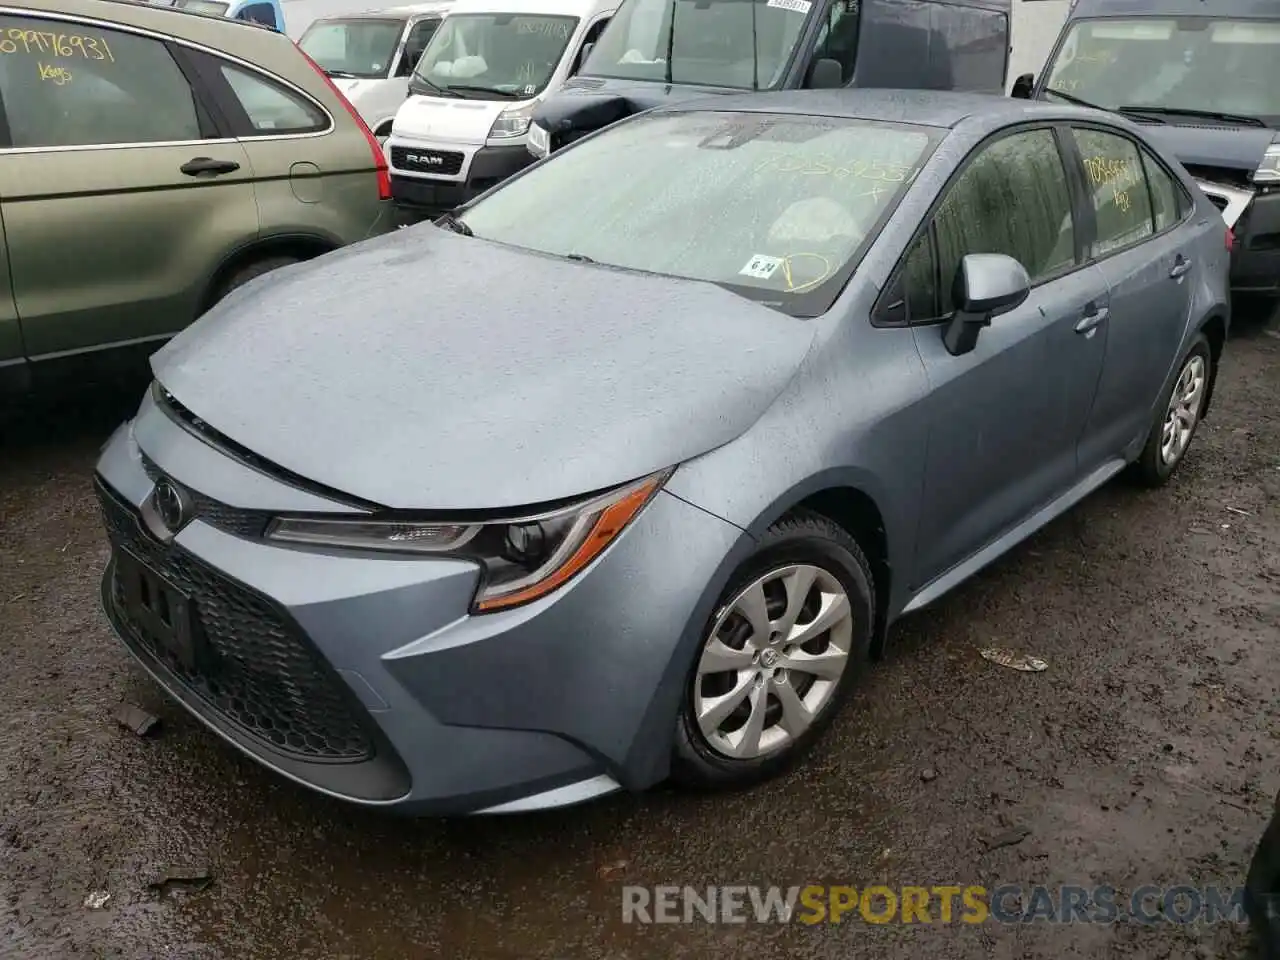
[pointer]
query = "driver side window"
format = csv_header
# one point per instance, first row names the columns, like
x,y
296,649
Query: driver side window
x,y
838,38
415,45
1013,199
588,38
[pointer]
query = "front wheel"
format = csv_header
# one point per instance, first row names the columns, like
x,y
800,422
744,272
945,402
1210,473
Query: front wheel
x,y
1180,415
787,640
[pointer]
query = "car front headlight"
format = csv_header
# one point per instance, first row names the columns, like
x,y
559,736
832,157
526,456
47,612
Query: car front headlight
x,y
513,122
1269,169
522,559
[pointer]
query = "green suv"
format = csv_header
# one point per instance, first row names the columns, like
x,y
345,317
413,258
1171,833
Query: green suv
x,y
151,161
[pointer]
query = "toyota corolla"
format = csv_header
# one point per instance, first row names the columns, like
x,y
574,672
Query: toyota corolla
x,y
624,470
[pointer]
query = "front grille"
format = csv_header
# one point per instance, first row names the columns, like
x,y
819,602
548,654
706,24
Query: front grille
x,y
233,520
444,163
258,674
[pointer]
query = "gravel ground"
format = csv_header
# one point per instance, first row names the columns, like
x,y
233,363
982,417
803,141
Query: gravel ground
x,y
1145,753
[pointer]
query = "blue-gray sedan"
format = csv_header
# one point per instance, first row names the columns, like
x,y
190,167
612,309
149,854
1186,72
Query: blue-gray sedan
x,y
624,471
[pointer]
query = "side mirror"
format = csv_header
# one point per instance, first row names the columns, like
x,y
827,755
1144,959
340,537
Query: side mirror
x,y
1023,87
826,74
985,286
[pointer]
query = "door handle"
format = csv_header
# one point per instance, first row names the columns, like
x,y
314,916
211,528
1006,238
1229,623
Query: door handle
x,y
1093,316
199,165
1180,266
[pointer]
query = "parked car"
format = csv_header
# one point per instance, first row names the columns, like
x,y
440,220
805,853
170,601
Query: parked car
x,y
1204,81
644,501
465,125
267,13
659,51
154,161
370,56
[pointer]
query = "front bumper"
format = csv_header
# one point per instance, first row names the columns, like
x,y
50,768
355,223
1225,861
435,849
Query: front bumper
x,y
1255,263
1254,218
419,194
364,678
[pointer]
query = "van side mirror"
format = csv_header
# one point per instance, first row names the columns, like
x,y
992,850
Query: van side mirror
x,y
1023,87
985,286
826,74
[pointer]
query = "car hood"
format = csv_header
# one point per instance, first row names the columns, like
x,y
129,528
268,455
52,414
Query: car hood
x,y
1228,148
427,370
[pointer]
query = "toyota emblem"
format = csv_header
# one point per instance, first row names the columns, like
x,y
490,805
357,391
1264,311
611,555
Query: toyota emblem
x,y
171,505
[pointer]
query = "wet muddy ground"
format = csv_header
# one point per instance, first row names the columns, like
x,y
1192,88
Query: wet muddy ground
x,y
1145,754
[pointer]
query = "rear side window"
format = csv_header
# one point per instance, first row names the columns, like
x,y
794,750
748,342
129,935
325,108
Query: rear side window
x,y
1117,182
1167,204
68,84
272,110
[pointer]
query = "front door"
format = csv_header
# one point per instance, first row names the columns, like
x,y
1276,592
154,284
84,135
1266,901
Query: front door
x,y
1005,418
117,200
1150,271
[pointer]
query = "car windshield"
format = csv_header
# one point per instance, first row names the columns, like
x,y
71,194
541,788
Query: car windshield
x,y
360,47
743,44
508,55
1188,63
777,208
203,6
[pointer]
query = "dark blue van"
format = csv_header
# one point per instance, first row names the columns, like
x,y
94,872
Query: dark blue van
x,y
1205,79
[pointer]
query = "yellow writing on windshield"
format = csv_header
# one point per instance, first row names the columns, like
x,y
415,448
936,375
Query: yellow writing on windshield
x,y
65,45
1117,172
59,75
804,271
823,166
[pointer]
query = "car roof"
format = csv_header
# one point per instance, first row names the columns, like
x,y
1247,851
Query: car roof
x,y
928,108
566,8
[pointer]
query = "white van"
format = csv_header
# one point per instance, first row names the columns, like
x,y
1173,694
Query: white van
x,y
370,56
465,125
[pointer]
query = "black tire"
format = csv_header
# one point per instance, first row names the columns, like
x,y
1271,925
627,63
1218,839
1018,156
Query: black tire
x,y
1262,893
1150,469
252,271
800,537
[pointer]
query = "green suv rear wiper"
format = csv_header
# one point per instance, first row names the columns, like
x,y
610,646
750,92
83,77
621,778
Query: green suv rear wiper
x,y
1237,118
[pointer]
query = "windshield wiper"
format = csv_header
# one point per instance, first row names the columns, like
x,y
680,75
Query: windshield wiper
x,y
671,38
452,223
501,94
340,75
578,257
444,92
1237,118
1072,98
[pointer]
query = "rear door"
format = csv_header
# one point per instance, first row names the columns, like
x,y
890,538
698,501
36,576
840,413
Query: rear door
x,y
113,233
1150,270
314,173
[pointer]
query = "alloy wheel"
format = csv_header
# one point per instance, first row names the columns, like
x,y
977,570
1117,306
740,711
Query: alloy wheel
x,y
1183,411
772,661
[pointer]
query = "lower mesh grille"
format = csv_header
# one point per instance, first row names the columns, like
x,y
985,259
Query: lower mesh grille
x,y
256,672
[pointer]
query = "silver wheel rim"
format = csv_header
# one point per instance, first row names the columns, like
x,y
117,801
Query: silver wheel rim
x,y
1184,411
772,661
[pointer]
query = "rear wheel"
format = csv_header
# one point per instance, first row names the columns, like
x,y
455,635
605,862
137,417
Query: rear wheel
x,y
252,271
1180,415
785,644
